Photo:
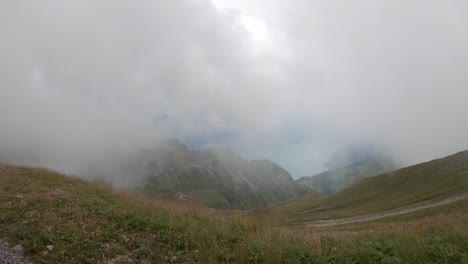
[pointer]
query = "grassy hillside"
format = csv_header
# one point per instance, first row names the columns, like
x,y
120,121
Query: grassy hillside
x,y
59,219
422,182
334,180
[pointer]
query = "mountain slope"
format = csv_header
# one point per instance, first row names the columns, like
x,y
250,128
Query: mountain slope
x,y
334,180
58,219
461,198
431,180
217,177
347,165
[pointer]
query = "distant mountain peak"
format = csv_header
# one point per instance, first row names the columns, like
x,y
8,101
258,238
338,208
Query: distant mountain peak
x,y
347,165
173,144
216,176
354,153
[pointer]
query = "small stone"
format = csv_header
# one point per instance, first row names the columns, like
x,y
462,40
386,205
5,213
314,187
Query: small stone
x,y
125,238
173,260
50,247
18,248
44,253
105,246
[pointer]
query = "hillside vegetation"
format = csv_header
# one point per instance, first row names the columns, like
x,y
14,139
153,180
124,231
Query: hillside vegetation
x,y
60,219
432,180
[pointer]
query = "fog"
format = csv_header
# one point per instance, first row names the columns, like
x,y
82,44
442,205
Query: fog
x,y
86,82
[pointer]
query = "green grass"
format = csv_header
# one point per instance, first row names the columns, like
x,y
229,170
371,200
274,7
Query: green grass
x,y
436,179
91,223
210,197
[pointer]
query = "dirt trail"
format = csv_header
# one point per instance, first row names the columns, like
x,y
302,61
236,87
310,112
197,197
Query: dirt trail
x,y
388,213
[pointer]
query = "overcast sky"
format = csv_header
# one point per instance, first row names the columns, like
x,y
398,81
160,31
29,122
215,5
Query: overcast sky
x,y
290,81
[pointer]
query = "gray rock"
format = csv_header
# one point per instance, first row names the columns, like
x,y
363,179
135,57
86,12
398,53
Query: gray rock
x,y
18,248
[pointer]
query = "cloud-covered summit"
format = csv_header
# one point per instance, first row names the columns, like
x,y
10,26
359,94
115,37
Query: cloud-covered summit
x,y
84,80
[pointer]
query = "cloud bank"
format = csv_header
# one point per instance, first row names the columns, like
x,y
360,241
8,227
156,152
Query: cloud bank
x,y
82,81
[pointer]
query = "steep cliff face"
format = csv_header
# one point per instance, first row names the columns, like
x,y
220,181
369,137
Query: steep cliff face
x,y
217,177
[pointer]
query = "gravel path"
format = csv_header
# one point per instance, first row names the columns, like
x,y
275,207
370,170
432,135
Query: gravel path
x,y
388,213
10,254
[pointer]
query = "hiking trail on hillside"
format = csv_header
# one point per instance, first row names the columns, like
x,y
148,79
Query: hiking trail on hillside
x,y
388,213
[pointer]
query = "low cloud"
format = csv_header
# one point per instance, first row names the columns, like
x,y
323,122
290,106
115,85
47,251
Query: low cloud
x,y
84,80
